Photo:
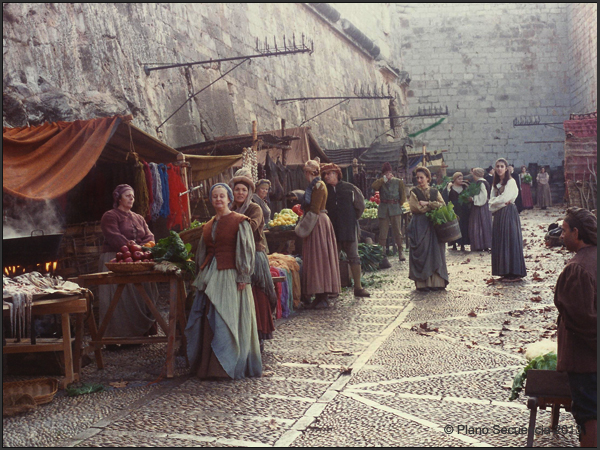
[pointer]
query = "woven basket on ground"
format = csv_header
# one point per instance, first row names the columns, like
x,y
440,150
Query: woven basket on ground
x,y
130,267
41,389
192,236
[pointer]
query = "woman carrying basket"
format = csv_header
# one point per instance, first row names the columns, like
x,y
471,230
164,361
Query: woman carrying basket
x,y
427,257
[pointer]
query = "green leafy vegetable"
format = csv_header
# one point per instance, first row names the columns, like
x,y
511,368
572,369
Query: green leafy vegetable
x,y
527,179
370,256
371,205
172,249
440,187
542,362
86,388
471,191
442,215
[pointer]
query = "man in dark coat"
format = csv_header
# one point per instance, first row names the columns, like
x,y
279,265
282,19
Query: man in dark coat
x,y
345,205
575,298
489,177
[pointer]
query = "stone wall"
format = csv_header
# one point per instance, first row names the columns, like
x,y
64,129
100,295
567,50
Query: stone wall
x,y
86,60
489,63
583,57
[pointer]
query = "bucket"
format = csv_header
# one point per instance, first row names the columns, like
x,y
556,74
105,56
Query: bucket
x,y
448,232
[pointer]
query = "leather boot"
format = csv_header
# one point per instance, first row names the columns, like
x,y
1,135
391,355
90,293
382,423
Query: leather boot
x,y
358,289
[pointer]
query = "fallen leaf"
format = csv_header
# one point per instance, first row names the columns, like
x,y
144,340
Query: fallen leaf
x,y
536,299
345,370
273,424
119,384
535,292
506,322
472,314
490,281
466,261
521,350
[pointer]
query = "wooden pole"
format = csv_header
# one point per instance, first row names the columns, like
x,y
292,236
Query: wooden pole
x,y
181,162
283,151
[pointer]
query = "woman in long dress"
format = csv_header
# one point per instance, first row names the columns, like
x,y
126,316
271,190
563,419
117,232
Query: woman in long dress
x,y
120,225
260,197
222,338
507,240
544,197
320,263
480,219
462,210
427,257
526,189
263,290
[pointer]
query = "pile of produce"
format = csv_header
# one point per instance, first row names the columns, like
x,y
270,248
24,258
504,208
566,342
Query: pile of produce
x,y
542,362
370,211
375,198
405,208
286,218
173,249
442,215
195,224
298,210
370,256
134,253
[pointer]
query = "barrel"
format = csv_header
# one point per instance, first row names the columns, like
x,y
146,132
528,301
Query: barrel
x,y
448,232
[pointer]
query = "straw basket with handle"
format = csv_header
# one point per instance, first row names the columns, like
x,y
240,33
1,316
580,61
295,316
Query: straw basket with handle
x,y
130,267
41,389
192,236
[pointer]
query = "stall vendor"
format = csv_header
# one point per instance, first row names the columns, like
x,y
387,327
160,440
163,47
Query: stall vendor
x,y
120,225
260,198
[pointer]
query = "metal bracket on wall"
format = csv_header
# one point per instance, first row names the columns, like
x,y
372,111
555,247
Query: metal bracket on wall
x,y
289,48
432,111
530,121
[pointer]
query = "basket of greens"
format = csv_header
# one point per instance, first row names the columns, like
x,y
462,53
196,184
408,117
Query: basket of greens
x,y
445,223
527,179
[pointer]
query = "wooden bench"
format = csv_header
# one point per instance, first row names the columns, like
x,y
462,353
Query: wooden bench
x,y
546,388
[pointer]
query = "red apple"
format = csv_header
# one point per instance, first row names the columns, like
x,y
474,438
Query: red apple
x,y
114,260
137,256
135,248
124,249
126,254
148,255
128,260
145,260
119,256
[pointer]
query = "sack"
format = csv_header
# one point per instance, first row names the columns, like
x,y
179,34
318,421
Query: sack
x,y
306,224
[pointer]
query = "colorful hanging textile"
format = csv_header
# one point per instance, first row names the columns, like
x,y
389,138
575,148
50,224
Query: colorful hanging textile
x,y
156,191
177,204
140,188
148,176
164,181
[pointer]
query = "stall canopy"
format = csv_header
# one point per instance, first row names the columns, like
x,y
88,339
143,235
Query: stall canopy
x,y
299,143
47,161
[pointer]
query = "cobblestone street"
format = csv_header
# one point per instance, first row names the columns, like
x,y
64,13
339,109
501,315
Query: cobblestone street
x,y
402,368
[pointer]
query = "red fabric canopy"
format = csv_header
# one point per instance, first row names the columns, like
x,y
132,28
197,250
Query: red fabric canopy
x,y
47,161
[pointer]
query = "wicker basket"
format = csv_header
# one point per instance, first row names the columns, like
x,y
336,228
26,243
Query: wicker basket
x,y
448,232
192,236
130,267
41,389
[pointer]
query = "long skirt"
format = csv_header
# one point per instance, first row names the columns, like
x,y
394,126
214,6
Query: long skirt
x,y
131,317
320,260
463,212
507,243
427,257
480,228
544,197
526,196
221,333
265,299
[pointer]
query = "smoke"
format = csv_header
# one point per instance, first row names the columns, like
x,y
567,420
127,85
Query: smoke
x,y
21,217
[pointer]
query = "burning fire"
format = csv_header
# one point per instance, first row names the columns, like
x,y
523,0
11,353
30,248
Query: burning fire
x,y
18,270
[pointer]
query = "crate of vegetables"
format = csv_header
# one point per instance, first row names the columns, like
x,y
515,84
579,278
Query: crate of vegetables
x,y
132,258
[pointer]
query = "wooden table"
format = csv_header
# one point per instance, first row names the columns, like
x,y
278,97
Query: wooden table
x,y
546,388
74,304
176,310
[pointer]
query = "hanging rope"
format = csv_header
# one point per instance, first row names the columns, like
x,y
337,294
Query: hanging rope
x,y
427,129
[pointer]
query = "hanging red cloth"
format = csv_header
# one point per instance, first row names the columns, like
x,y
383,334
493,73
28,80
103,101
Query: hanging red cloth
x,y
178,204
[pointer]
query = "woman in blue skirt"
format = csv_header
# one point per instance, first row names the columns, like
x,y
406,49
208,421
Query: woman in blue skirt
x,y
507,240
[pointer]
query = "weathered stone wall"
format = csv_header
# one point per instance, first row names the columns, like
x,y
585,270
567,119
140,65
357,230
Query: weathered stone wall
x,y
583,57
85,60
489,63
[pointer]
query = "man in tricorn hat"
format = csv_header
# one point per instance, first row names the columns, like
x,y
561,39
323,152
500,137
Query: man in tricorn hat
x,y
392,196
345,204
